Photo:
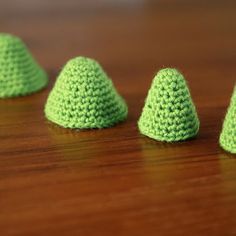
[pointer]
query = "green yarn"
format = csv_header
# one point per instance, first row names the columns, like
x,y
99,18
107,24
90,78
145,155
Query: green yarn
x,y
169,113
84,97
228,133
19,73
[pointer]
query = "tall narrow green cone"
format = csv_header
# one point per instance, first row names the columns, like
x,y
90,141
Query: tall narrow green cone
x,y
169,113
228,134
84,97
19,73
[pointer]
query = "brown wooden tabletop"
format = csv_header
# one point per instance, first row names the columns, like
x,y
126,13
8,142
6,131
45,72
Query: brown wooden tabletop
x,y
56,181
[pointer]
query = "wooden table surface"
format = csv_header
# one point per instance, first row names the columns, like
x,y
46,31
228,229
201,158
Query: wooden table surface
x,y
55,181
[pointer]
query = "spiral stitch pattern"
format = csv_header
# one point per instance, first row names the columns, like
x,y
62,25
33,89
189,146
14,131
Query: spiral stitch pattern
x,y
19,73
84,97
169,113
228,133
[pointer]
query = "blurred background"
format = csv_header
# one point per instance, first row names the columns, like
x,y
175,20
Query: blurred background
x,y
116,181
132,39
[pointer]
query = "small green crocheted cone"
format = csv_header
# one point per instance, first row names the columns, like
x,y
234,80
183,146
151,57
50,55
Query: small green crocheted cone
x,y
84,97
169,113
228,133
19,73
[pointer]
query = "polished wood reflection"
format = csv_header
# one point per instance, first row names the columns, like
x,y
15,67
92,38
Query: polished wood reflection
x,y
55,181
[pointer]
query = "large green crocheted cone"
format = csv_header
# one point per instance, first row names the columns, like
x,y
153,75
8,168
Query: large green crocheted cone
x,y
19,73
228,133
84,97
169,113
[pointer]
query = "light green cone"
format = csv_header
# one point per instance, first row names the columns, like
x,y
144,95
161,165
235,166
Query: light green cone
x,y
169,113
228,134
84,97
19,73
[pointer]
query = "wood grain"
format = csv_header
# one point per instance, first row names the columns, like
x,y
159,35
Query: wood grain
x,y
55,181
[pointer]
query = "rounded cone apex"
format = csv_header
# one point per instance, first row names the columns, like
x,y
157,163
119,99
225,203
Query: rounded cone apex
x,y
169,113
84,97
228,133
19,73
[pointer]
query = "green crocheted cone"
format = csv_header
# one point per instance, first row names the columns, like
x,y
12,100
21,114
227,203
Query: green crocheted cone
x,y
228,133
169,113
84,97
19,73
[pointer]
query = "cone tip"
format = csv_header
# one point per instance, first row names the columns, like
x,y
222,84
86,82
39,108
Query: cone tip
x,y
82,60
168,72
5,37
82,64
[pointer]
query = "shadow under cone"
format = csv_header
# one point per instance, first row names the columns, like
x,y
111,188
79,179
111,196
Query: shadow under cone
x,y
19,73
169,113
228,134
84,97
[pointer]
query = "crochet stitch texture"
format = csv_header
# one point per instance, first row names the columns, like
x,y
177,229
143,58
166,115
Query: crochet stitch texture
x,y
84,97
228,133
19,73
169,113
